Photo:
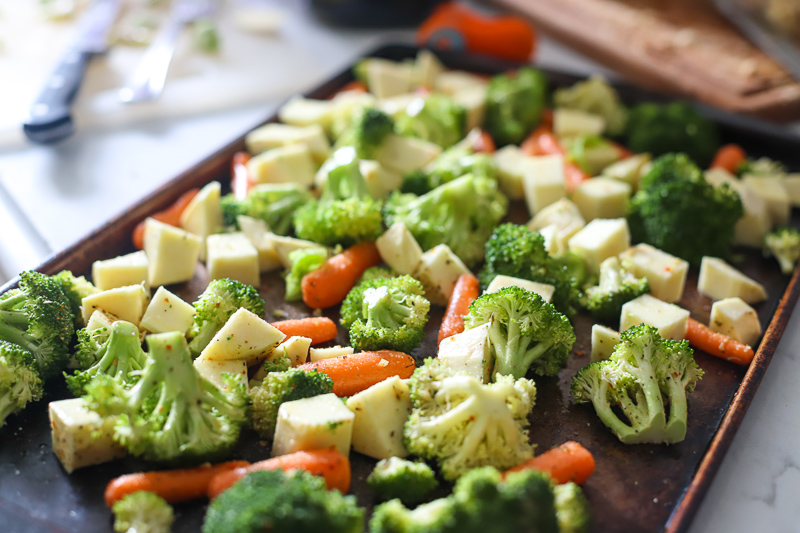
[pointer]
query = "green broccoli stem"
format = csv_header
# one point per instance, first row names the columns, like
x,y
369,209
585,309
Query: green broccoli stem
x,y
512,355
386,311
606,414
10,302
16,333
203,337
7,405
678,411
119,351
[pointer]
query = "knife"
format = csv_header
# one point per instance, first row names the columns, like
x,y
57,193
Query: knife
x,y
761,33
50,118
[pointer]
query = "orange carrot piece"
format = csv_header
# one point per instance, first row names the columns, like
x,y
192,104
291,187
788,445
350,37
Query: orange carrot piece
x,y
573,176
356,372
729,157
464,293
354,85
484,143
568,462
718,344
241,181
171,216
172,485
330,283
329,464
318,329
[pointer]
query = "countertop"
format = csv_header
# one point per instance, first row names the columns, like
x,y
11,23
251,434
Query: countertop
x,y
52,196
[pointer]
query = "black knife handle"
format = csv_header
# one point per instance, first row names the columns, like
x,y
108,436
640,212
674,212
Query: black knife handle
x,y
50,119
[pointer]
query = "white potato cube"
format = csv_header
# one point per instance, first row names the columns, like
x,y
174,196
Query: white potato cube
x,y
100,319
380,181
287,164
314,423
600,239
286,245
232,255
669,319
318,354
213,371
473,100
574,122
542,289
757,220
629,170
203,215
450,82
665,273
127,303
567,219
121,271
718,176
244,336
511,167
404,154
167,312
172,253
543,182
438,270
302,112
427,68
80,436
736,319
294,348
773,192
387,78
603,342
380,413
396,105
719,280
399,249
469,352
602,198
791,182
260,237
276,135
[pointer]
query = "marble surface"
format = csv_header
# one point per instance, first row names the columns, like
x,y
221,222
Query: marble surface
x,y
52,196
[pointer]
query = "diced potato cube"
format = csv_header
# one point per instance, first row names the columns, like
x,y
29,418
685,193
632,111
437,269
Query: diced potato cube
x,y
380,181
736,319
387,78
128,303
172,253
396,105
260,237
603,342
511,164
404,154
232,255
773,192
286,245
399,249
669,319
380,413
438,270
567,219
80,436
542,289
756,222
244,336
469,352
100,319
717,176
213,370
293,348
427,68
629,170
318,354
665,273
719,280
543,182
450,82
301,112
600,239
313,423
121,271
274,135
473,99
791,182
203,215
167,312
602,198
287,164
574,122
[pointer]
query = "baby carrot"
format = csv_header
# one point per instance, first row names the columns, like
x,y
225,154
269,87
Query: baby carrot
x,y
568,462
718,344
240,177
171,216
464,293
729,157
355,85
329,463
172,485
318,329
356,372
330,283
484,143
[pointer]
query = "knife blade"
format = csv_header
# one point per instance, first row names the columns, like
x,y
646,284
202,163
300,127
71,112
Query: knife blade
x,y
50,117
762,34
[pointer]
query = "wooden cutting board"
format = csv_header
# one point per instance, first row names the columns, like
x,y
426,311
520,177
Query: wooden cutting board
x,y
683,47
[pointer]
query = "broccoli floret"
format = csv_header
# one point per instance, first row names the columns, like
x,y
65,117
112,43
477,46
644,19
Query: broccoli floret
x,y
280,387
409,481
784,245
367,132
274,203
214,307
596,96
461,214
303,261
676,127
438,516
677,211
376,273
763,166
514,250
37,316
572,509
142,512
19,380
617,287
172,414
386,314
524,332
76,289
453,163
646,379
514,105
345,214
117,353
274,501
436,119
572,266
463,424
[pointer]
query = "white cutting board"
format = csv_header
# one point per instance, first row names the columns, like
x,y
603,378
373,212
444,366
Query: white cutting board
x,y
248,68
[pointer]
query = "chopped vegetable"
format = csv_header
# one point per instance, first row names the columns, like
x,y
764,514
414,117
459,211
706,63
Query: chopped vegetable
x,y
171,216
20,383
274,203
303,261
718,344
142,512
729,157
514,104
465,292
329,284
568,462
436,119
784,245
595,96
359,371
409,481
318,329
616,287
